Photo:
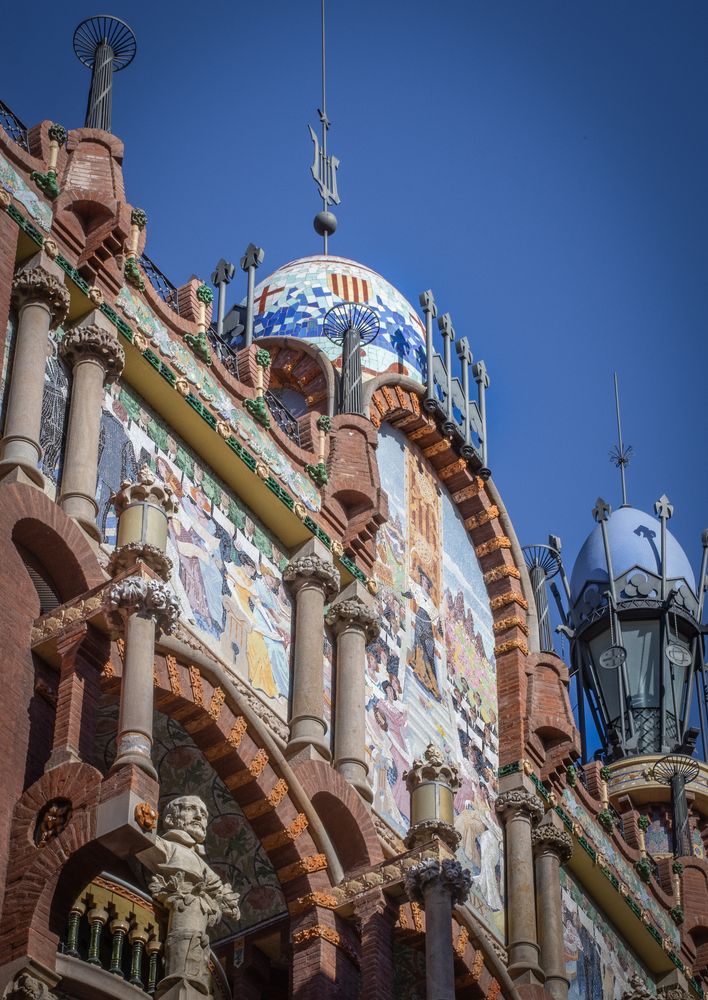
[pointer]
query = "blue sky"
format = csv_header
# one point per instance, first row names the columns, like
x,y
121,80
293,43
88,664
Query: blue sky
x,y
541,166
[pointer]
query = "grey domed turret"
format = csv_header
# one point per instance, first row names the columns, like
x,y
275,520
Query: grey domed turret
x,y
635,631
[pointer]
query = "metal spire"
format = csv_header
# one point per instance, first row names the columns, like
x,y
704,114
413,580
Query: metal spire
x,y
106,45
324,167
619,454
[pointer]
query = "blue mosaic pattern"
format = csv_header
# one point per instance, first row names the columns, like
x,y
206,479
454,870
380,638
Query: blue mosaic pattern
x,y
292,302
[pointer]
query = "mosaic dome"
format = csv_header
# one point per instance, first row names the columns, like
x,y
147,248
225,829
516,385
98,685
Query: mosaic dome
x,y
293,301
635,540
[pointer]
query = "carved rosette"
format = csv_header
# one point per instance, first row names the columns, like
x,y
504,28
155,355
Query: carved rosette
x,y
313,568
344,615
147,598
147,488
547,837
449,874
518,800
93,341
36,284
129,555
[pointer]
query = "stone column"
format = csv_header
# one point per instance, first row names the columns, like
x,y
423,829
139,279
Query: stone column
x,y
93,352
313,579
42,303
141,606
355,622
553,847
520,809
376,917
438,886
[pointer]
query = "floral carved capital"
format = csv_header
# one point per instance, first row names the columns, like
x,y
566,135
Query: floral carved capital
x,y
313,568
93,341
35,284
128,555
354,613
449,874
147,598
673,993
518,800
27,987
548,837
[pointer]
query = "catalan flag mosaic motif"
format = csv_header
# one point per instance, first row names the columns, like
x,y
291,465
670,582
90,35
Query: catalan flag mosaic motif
x,y
293,301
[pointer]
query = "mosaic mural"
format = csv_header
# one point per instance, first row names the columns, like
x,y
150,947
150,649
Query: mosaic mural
x,y
227,567
292,302
232,848
19,189
598,963
431,674
258,440
5,364
625,872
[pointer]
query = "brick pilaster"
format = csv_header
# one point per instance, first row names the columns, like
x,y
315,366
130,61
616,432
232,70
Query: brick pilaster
x,y
376,917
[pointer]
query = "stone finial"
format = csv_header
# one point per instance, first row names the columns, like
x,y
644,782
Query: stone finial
x,y
546,836
94,341
519,800
146,488
147,598
432,766
36,284
191,892
313,567
354,613
449,874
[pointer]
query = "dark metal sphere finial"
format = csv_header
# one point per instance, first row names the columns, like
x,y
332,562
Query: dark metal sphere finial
x,y
325,223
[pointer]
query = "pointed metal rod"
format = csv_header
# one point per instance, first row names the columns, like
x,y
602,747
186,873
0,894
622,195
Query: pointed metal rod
x,y
621,446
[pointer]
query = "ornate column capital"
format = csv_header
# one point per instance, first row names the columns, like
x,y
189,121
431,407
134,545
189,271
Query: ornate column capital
x,y
432,766
548,837
28,987
674,992
147,598
518,800
94,341
36,284
312,567
353,613
448,873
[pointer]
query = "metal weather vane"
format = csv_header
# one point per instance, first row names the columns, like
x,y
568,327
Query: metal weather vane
x,y
620,455
324,167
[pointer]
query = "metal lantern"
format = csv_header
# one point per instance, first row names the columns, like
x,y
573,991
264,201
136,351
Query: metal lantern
x,y
432,782
143,509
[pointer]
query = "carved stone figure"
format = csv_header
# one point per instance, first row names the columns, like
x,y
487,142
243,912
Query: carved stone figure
x,y
194,896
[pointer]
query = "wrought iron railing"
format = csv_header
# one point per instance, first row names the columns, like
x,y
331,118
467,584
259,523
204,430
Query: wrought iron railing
x,y
16,129
160,282
287,421
224,352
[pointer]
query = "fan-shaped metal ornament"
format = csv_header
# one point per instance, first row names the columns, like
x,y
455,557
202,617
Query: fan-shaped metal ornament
x,y
675,765
543,557
106,45
109,30
351,316
351,325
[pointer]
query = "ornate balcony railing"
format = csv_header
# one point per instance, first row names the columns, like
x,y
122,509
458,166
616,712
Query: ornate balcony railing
x,y
16,129
283,417
159,281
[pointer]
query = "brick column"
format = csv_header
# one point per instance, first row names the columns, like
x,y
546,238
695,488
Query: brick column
x,y
93,352
376,916
355,622
520,809
140,606
70,699
321,968
553,847
437,886
42,303
313,578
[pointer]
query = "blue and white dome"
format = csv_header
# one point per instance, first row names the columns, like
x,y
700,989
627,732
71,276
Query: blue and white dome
x,y
635,542
292,302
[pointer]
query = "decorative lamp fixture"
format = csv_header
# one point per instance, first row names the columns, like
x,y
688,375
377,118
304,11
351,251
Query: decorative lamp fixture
x,y
432,782
143,508
106,45
677,771
351,325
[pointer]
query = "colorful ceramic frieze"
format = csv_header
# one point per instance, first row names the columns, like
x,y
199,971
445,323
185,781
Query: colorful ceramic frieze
x,y
431,675
22,192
